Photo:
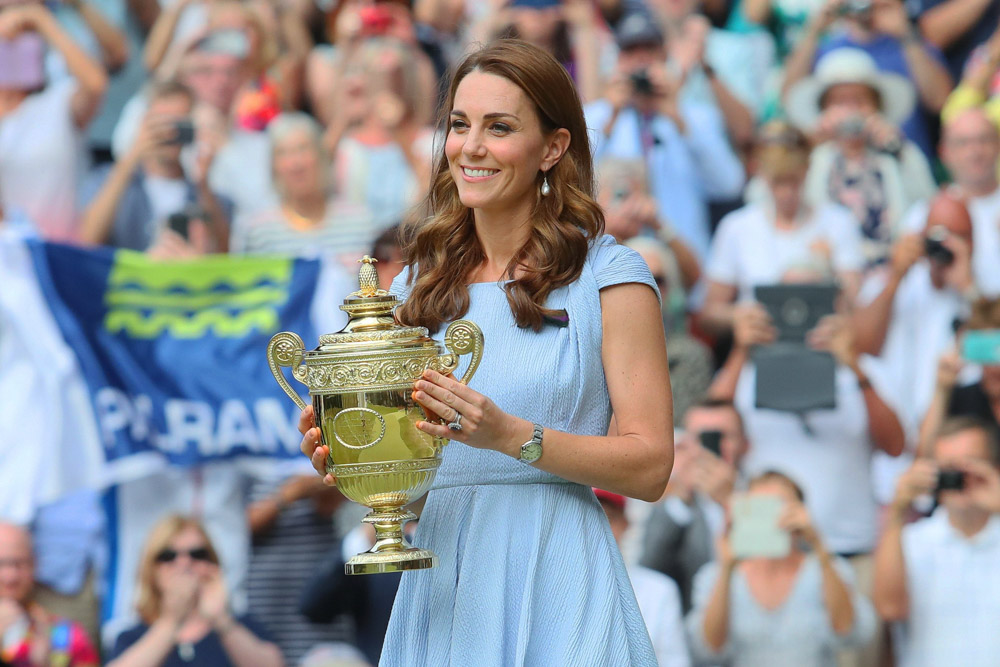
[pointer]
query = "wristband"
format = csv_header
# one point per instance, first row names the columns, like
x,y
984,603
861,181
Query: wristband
x,y
864,383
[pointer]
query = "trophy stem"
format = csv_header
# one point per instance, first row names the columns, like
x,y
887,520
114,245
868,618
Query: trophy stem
x,y
391,552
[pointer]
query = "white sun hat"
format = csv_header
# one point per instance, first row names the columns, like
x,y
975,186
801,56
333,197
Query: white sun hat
x,y
849,65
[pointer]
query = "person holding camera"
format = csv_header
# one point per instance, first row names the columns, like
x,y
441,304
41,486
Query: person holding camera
x,y
683,143
799,608
882,29
939,575
680,531
863,162
954,395
146,195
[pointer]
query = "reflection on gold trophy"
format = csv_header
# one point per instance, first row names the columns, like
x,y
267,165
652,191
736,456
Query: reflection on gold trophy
x,y
361,383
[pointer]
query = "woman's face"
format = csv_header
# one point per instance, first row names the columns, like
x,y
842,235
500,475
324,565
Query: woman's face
x,y
186,553
787,192
297,164
495,145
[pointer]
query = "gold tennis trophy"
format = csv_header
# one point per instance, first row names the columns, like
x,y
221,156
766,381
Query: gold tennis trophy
x,y
361,383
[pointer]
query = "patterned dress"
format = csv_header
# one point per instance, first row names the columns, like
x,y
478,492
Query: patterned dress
x,y
529,572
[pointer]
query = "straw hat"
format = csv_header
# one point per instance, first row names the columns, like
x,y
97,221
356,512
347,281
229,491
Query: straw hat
x,y
849,65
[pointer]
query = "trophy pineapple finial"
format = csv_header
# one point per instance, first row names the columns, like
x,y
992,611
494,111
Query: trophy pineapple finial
x,y
368,278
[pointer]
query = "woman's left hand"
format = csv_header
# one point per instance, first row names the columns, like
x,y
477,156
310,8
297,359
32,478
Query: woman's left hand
x,y
484,425
796,520
213,602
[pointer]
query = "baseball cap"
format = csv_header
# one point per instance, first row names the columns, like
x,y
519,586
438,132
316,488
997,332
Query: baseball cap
x,y
638,29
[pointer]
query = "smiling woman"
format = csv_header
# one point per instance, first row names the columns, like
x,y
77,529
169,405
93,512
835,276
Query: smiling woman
x,y
529,570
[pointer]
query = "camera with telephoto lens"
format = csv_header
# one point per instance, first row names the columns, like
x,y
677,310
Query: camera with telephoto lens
x,y
934,246
641,82
950,480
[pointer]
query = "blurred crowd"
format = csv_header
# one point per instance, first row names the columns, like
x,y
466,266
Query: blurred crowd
x,y
813,184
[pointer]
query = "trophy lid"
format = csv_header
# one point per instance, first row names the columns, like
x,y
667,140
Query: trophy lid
x,y
371,319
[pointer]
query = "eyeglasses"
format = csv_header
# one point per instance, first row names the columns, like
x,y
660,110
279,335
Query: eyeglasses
x,y
170,555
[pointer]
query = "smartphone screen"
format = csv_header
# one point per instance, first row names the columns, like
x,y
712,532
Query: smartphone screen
x,y
755,532
981,346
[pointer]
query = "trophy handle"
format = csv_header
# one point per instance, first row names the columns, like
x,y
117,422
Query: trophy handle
x,y
286,349
465,337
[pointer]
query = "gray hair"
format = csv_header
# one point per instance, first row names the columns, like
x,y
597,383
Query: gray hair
x,y
612,171
288,123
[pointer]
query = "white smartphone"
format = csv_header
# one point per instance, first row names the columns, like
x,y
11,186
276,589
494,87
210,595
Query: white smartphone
x,y
755,532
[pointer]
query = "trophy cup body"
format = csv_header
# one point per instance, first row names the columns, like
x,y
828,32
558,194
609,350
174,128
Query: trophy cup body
x,y
360,382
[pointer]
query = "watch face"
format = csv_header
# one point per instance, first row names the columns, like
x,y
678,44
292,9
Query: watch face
x,y
531,452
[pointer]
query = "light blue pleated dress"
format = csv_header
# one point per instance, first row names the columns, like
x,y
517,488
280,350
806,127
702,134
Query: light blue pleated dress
x,y
529,572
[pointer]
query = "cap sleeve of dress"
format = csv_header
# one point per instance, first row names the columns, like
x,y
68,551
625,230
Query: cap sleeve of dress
x,y
614,264
399,286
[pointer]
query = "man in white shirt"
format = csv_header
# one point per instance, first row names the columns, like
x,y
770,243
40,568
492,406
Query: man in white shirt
x,y
684,143
939,576
657,594
970,149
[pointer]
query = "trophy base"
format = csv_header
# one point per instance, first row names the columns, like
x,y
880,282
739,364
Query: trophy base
x,y
398,561
391,552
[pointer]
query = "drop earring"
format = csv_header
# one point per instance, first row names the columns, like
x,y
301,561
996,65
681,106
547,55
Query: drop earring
x,y
545,185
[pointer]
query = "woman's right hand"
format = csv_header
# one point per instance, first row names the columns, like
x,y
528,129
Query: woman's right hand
x,y
312,445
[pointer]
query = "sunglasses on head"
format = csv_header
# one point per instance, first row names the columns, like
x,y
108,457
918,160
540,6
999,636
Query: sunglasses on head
x,y
170,555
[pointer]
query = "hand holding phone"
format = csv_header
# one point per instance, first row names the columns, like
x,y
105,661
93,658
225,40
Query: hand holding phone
x,y
712,441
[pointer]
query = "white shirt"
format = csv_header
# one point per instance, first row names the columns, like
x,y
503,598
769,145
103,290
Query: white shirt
x,y
42,159
832,464
985,214
748,250
953,583
166,196
660,605
918,334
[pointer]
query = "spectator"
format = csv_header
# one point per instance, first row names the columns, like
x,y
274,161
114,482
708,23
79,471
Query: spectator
x,y
681,530
795,610
292,526
939,576
979,85
131,201
757,244
388,252
41,146
980,398
863,162
184,608
657,594
970,149
311,219
31,635
828,451
368,601
882,29
957,27
683,144
381,140
214,68
691,362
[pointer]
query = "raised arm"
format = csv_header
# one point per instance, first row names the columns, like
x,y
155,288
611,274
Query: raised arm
x,y
89,75
945,23
112,41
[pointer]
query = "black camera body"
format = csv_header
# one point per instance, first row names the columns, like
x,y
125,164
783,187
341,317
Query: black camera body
x,y
950,480
935,249
712,441
641,82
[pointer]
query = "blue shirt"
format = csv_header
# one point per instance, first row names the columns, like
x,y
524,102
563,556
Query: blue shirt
x,y
887,52
207,652
958,53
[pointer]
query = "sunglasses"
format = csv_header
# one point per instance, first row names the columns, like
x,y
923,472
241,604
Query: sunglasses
x,y
170,555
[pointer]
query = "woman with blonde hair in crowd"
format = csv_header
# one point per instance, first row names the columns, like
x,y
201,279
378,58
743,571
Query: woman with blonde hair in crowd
x,y
775,232
381,134
184,608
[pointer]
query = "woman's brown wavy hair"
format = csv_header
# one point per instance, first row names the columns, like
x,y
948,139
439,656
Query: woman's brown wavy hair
x,y
443,249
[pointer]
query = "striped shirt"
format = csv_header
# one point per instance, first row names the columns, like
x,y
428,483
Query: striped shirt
x,y
284,559
346,233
